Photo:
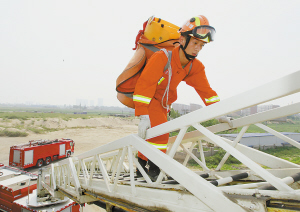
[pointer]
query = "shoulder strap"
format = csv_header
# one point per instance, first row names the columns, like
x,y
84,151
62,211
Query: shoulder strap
x,y
169,60
150,47
155,49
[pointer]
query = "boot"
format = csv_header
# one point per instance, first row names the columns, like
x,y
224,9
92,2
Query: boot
x,y
153,171
143,163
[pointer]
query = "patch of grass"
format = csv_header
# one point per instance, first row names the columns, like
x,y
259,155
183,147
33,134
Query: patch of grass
x,y
6,133
43,130
214,160
36,130
46,129
14,116
287,153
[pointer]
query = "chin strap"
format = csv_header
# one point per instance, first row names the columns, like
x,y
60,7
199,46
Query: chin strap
x,y
188,56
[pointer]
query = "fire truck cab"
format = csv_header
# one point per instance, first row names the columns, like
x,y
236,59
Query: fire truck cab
x,y
40,152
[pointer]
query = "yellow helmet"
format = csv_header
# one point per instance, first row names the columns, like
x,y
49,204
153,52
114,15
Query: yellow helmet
x,y
158,30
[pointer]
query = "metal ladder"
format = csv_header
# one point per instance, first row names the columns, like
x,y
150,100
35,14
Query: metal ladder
x,y
106,174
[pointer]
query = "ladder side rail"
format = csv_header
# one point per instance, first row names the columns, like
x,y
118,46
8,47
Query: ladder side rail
x,y
236,140
276,89
245,160
279,135
184,176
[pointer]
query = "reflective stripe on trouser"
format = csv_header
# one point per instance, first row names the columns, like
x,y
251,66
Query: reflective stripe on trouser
x,y
157,115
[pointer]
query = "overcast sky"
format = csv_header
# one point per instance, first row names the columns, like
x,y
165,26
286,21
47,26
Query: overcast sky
x,y
54,52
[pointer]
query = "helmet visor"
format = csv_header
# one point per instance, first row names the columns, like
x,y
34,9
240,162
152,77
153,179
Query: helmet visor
x,y
204,32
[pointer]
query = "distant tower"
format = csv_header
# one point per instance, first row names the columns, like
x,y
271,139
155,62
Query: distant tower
x,y
100,102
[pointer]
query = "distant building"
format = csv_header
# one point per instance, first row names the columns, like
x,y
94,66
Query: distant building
x,y
262,108
184,109
100,102
181,108
92,103
260,140
82,102
249,111
257,109
194,107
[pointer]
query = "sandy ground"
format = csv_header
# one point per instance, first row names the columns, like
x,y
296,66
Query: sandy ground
x,y
87,134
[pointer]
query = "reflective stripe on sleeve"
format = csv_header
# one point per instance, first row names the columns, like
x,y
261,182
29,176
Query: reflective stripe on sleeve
x,y
159,146
212,99
140,98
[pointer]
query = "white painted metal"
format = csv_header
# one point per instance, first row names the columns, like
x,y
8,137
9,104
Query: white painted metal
x,y
279,135
238,138
201,151
249,163
62,149
195,158
28,157
189,151
16,158
109,169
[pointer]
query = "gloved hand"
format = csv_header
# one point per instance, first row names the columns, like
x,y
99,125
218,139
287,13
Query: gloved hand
x,y
143,126
224,119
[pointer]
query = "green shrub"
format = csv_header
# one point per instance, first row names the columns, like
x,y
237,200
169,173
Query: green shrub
x,y
6,133
214,160
36,131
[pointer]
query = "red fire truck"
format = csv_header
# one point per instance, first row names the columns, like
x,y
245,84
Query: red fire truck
x,y
40,152
18,187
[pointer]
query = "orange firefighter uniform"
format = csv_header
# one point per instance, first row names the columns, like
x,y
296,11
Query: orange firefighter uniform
x,y
151,86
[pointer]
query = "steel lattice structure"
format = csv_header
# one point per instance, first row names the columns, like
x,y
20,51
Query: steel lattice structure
x,y
107,173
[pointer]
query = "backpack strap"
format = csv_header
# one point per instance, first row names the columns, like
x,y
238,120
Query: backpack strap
x,y
150,47
169,55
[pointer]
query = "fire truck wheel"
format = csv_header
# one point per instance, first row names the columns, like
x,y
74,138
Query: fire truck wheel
x,y
68,154
47,161
39,163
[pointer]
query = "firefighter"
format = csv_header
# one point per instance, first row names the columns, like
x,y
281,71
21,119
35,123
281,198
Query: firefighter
x,y
155,90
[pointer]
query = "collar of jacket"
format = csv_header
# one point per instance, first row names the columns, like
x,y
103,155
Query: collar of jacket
x,y
175,57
